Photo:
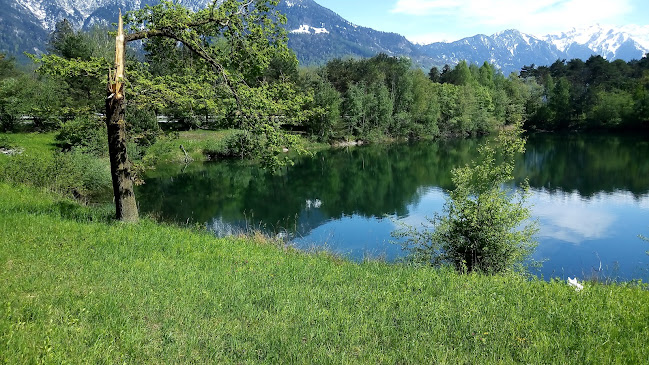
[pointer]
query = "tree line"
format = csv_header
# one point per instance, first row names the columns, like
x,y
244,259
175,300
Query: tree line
x,y
346,99
591,94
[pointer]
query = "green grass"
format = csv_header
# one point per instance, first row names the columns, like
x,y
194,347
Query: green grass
x,y
39,163
78,288
167,148
32,143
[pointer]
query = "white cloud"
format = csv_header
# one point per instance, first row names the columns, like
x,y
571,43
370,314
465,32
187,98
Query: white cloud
x,y
569,217
428,38
535,16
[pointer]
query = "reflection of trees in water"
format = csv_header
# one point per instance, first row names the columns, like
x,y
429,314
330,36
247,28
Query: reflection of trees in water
x,y
375,181
586,164
369,181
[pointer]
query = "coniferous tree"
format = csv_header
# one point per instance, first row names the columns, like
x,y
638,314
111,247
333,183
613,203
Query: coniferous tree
x,y
434,75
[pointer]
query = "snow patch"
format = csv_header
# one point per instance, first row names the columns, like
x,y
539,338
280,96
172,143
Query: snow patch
x,y
605,40
307,29
36,9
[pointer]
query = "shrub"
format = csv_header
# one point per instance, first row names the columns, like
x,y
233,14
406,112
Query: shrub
x,y
485,228
6,143
84,132
241,145
8,122
73,173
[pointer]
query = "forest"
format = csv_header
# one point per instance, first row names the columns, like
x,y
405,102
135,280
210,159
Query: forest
x,y
372,99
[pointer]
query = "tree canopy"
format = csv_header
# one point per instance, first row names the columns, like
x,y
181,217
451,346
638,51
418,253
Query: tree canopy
x,y
595,94
228,61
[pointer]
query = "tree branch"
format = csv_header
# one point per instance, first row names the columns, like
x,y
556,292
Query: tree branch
x,y
168,33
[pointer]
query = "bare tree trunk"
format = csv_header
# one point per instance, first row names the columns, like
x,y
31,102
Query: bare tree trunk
x,y
120,166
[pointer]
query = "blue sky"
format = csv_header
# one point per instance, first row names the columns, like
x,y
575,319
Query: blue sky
x,y
428,21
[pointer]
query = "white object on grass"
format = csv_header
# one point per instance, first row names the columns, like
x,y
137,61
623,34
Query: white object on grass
x,y
575,283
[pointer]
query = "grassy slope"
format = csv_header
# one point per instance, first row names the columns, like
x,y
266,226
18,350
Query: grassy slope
x,y
33,143
79,291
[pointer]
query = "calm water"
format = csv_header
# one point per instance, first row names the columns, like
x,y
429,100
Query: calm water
x,y
590,196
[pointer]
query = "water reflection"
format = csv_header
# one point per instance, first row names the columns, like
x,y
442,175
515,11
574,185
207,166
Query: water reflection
x,y
587,165
590,195
572,218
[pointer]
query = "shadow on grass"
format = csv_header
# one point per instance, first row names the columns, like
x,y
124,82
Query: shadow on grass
x,y
31,201
76,212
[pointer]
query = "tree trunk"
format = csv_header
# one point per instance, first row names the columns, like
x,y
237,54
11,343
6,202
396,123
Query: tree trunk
x,y
120,166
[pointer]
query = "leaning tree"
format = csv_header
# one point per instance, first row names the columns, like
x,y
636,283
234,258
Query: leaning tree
x,y
237,42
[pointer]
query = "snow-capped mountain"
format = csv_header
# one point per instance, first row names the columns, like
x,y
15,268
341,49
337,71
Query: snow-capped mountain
x,y
83,12
627,42
26,24
318,34
509,50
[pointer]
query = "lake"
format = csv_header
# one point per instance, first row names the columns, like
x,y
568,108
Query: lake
x,y
590,195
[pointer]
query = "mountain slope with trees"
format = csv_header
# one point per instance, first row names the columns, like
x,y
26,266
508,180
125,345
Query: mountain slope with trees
x,y
318,35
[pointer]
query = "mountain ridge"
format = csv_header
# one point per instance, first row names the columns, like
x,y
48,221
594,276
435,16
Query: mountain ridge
x,y
318,34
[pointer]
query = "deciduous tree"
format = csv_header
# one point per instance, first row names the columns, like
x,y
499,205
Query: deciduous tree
x,y
484,228
235,40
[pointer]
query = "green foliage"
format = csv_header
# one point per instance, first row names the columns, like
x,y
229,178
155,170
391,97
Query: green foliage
x,y
227,65
83,132
485,227
612,109
75,173
142,126
434,74
559,103
6,143
30,98
460,75
596,94
9,101
424,110
383,97
233,63
325,122
7,66
67,43
238,145
368,109
78,62
270,145
199,144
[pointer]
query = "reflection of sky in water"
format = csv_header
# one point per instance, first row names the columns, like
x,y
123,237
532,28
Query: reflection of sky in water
x,y
353,236
360,237
570,218
579,235
576,234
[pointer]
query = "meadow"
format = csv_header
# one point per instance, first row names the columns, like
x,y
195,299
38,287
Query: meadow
x,y
79,288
